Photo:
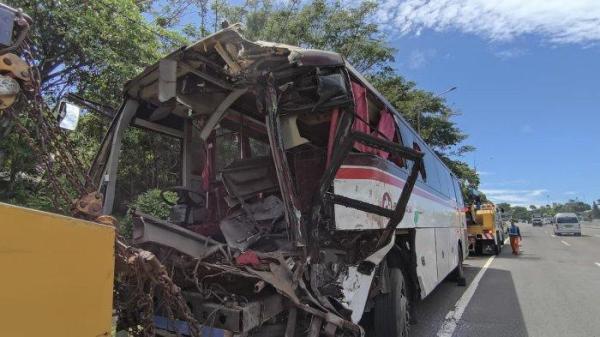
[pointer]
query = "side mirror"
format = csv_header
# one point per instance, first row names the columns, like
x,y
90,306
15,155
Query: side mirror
x,y
68,114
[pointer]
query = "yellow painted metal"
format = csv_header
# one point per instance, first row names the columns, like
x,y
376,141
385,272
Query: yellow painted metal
x,y
486,219
56,275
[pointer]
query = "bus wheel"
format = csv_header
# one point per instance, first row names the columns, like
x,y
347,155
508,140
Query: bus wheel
x,y
391,317
458,274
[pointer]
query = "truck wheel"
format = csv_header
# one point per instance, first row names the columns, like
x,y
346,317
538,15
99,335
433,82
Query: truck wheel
x,y
478,247
391,317
498,249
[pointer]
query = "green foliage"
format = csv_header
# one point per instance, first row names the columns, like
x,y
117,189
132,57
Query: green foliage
x,y
90,46
571,206
149,202
317,24
93,48
505,206
88,135
520,213
437,129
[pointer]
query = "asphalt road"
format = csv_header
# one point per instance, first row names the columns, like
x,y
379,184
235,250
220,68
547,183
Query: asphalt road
x,y
551,289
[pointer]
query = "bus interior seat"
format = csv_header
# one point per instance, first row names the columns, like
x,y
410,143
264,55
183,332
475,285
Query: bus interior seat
x,y
244,179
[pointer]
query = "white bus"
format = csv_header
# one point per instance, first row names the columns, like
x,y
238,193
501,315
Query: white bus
x,y
302,190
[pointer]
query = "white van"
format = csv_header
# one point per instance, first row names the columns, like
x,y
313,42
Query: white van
x,y
566,223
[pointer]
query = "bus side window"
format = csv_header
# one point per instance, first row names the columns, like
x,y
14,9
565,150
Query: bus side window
x,y
458,192
433,179
447,182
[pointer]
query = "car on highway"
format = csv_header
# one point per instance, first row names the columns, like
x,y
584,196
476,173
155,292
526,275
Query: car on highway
x,y
537,221
566,223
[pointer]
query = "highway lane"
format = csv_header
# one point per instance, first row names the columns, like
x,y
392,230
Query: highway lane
x,y
552,289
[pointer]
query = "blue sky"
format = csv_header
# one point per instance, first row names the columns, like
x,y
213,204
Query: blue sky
x,y
528,78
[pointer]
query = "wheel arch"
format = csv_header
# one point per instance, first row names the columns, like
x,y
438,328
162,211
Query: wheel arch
x,y
403,256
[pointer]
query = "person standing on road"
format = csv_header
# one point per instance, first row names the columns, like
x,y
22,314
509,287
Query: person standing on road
x,y
515,237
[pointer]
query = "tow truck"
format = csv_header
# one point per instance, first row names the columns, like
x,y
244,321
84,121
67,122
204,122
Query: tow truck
x,y
485,229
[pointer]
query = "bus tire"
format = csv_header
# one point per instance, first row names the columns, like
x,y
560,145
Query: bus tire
x,y
391,316
459,273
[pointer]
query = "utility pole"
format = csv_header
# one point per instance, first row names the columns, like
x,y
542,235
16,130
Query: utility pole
x,y
434,96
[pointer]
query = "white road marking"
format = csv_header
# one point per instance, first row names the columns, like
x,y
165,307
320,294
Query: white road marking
x,y
453,316
597,263
553,235
565,243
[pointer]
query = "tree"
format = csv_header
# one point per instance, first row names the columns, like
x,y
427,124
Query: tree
x,y
520,213
91,47
88,45
595,211
575,206
319,24
504,205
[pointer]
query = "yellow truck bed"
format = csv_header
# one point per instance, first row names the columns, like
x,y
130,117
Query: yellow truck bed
x,y
56,275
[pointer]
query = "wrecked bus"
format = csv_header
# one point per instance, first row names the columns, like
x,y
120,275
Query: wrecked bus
x,y
324,215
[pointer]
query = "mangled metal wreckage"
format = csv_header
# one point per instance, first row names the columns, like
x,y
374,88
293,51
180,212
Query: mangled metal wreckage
x,y
280,242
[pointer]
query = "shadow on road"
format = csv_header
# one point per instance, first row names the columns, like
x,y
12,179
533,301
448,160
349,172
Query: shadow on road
x,y
494,309
523,256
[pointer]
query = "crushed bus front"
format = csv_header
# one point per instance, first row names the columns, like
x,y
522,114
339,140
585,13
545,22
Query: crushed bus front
x,y
263,235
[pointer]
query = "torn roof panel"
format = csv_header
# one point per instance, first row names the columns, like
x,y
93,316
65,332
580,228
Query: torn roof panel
x,y
228,49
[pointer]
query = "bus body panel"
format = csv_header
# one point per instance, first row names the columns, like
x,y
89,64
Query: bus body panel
x,y
426,260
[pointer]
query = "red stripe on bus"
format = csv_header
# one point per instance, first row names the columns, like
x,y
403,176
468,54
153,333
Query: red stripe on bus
x,y
366,173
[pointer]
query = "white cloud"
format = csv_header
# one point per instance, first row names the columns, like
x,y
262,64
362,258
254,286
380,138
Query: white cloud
x,y
419,58
557,21
509,53
485,173
526,129
570,193
416,59
517,197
